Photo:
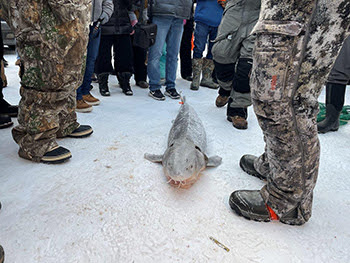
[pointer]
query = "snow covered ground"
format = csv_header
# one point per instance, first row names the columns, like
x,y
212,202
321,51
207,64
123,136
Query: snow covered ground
x,y
109,204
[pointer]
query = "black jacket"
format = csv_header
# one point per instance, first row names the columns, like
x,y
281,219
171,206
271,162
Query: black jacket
x,y
119,24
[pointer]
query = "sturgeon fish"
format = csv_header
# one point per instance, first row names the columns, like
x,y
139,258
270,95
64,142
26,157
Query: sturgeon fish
x,y
185,157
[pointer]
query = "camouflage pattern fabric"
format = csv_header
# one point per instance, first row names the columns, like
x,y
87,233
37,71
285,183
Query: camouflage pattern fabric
x,y
51,41
297,43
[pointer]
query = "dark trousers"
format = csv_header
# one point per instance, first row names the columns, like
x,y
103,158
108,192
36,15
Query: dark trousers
x,y
1,45
185,50
122,55
140,67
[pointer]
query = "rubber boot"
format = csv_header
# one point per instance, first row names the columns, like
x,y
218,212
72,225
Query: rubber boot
x,y
124,82
103,84
334,103
207,71
196,71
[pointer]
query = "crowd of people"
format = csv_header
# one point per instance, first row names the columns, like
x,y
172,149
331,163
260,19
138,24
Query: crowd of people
x,y
274,55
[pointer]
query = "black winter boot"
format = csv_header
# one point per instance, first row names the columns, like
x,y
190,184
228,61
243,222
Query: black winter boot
x,y
103,84
57,155
124,82
334,103
5,107
247,165
8,109
250,204
5,121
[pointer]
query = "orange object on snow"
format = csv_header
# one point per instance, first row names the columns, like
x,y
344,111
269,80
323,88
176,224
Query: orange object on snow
x,y
273,215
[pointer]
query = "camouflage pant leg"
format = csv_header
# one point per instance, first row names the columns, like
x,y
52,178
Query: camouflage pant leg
x,y
340,73
291,61
43,116
51,41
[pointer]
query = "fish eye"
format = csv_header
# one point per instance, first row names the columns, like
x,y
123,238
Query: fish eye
x,y
171,145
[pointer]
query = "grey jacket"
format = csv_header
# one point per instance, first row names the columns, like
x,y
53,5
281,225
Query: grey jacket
x,y
102,9
239,18
177,8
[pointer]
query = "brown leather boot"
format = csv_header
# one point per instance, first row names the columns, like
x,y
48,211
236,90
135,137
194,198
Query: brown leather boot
x,y
238,122
91,100
221,101
82,106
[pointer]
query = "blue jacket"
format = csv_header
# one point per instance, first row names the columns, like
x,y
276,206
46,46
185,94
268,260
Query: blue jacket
x,y
208,12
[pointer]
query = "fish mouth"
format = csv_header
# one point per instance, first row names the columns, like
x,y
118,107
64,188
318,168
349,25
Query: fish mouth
x,y
184,184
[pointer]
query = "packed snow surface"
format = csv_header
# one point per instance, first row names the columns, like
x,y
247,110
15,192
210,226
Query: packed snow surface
x,y
109,204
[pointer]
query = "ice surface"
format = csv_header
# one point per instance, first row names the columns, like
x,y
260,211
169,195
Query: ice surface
x,y
109,204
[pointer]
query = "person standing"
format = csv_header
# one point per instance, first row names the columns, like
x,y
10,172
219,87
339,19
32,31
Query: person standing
x,y
51,39
337,80
140,54
168,16
232,53
100,14
294,52
207,18
116,33
186,48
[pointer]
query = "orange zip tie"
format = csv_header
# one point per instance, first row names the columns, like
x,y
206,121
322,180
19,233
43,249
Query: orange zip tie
x,y
273,215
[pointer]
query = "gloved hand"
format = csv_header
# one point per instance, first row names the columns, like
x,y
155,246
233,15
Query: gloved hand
x,y
103,18
222,3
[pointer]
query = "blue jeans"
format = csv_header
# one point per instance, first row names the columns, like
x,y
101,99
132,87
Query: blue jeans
x,y
92,52
169,31
201,33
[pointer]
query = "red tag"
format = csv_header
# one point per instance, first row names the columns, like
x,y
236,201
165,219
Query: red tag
x,y
273,215
273,82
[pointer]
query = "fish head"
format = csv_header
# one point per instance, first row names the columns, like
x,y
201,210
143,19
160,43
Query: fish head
x,y
182,163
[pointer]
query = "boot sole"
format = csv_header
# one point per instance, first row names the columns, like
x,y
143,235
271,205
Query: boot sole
x,y
160,99
237,127
168,94
84,110
93,103
239,212
220,105
194,87
210,87
331,130
56,159
81,134
6,125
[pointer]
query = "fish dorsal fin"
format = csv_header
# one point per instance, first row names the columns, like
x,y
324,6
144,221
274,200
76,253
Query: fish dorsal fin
x,y
155,158
214,161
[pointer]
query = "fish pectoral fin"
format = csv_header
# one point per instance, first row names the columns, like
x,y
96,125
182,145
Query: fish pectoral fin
x,y
214,161
156,158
